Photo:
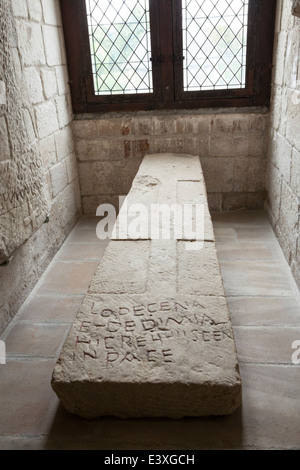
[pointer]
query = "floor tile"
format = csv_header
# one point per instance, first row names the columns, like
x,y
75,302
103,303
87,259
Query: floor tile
x,y
28,404
51,309
264,311
37,340
84,236
81,252
249,251
67,278
256,278
270,409
272,345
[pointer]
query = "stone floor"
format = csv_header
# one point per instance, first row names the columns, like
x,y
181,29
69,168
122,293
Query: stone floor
x,y
265,310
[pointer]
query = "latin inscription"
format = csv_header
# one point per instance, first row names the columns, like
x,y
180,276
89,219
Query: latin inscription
x,y
145,332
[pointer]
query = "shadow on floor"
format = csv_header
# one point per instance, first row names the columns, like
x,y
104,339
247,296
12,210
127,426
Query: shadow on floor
x,y
69,432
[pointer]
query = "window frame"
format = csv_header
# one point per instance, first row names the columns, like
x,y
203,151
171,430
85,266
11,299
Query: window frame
x,y
166,43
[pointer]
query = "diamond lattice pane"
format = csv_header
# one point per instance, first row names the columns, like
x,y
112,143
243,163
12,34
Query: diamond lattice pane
x,y
119,33
214,44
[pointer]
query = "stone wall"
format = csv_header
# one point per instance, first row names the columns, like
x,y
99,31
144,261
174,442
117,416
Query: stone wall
x,y
40,76
283,174
232,145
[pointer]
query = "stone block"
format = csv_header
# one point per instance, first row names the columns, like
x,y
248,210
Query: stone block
x,y
35,10
218,174
49,83
31,43
245,201
51,12
295,173
230,123
64,142
249,174
85,178
64,110
48,151
292,119
71,167
280,58
52,45
34,85
153,335
230,145
30,125
46,118
288,221
4,149
62,80
100,150
281,155
113,177
20,8
59,178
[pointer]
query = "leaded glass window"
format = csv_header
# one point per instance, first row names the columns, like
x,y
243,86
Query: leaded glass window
x,y
214,44
168,54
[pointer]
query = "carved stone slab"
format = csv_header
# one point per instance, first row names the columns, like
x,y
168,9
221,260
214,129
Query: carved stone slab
x,y
153,336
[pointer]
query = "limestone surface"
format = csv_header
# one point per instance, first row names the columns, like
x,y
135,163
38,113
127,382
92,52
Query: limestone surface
x,y
153,336
23,202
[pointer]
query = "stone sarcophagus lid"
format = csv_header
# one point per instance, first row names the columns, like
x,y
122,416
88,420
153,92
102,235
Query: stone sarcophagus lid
x,y
153,336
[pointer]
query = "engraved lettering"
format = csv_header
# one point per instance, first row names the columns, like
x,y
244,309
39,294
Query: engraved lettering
x,y
113,326
194,335
227,333
141,341
85,326
137,309
95,310
165,306
179,322
123,310
152,308
149,352
92,354
149,324
129,326
82,340
217,335
107,340
206,335
167,354
181,306
106,312
112,356
130,357
127,340
156,336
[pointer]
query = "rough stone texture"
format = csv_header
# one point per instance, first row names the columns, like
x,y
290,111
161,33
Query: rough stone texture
x,y
36,148
153,336
283,200
231,143
23,204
